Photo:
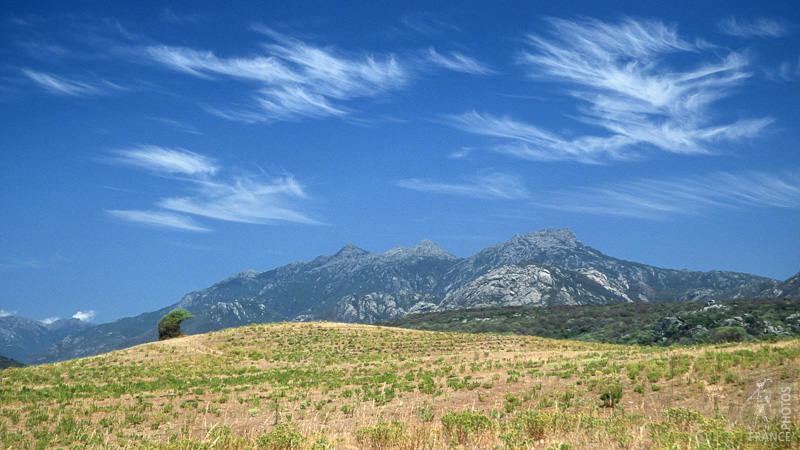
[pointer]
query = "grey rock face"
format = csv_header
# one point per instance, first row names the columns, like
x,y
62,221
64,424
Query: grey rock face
x,y
533,285
377,306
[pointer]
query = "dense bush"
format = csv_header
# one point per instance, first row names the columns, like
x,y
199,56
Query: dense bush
x,y
728,334
465,425
170,325
626,323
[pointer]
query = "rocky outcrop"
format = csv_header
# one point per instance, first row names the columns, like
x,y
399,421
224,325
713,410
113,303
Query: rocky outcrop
x,y
378,306
533,285
675,328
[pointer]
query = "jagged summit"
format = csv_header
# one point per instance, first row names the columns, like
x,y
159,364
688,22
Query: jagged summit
x,y
350,251
563,237
425,249
243,274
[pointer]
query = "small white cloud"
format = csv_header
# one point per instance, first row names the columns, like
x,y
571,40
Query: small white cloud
x,y
4,313
85,316
463,152
761,27
50,320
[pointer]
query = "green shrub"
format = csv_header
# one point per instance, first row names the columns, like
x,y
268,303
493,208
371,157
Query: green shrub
x,y
382,434
465,424
728,334
611,397
170,325
282,438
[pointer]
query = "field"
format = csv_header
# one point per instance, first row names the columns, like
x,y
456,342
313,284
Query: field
x,y
324,385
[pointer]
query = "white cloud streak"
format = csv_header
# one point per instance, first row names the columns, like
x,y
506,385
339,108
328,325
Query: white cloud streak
x,y
486,186
458,63
85,316
60,85
4,313
158,218
293,79
243,198
767,28
621,75
665,198
167,161
50,320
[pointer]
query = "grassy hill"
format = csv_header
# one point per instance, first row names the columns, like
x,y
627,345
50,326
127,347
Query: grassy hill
x,y
325,385
658,323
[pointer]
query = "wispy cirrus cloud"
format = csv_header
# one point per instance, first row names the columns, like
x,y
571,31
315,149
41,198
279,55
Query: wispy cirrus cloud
x,y
31,262
60,85
245,199
761,27
177,125
158,218
292,78
630,94
212,193
527,141
425,24
485,186
683,196
166,160
458,62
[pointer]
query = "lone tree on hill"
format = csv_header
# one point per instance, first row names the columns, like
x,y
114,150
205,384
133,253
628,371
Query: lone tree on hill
x,y
170,325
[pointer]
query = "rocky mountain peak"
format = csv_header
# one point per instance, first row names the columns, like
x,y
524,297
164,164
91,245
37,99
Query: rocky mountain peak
x,y
241,275
350,251
425,249
550,238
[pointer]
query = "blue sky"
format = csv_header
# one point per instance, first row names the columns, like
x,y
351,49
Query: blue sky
x,y
152,150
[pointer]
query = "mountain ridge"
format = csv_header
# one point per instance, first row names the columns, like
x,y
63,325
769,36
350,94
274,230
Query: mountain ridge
x,y
22,337
353,285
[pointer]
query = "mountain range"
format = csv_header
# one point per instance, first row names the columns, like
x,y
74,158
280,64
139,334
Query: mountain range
x,y
22,337
549,267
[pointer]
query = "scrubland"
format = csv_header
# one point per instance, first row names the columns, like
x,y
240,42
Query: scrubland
x,y
326,385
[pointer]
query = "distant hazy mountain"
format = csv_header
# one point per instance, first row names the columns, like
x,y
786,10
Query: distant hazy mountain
x,y
23,337
5,363
539,268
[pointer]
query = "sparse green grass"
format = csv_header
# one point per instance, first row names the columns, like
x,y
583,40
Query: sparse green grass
x,y
320,385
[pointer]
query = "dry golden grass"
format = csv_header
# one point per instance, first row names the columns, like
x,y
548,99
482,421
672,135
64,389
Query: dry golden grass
x,y
328,385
